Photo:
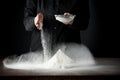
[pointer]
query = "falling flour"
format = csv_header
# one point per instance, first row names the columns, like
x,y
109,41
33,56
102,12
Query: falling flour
x,y
45,40
68,56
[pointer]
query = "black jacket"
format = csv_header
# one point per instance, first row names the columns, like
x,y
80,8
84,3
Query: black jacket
x,y
59,33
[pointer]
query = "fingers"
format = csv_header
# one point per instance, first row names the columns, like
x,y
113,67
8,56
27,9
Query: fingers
x,y
38,20
40,17
39,27
69,23
66,14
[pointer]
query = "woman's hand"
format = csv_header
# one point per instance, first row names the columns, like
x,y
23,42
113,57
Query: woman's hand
x,y
38,21
69,23
67,15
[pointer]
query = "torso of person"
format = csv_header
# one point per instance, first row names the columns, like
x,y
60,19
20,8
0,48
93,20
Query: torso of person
x,y
59,33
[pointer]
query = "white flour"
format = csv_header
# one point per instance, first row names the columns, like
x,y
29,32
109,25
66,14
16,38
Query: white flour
x,y
68,56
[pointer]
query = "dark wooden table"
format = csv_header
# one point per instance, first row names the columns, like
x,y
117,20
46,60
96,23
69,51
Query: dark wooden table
x,y
106,69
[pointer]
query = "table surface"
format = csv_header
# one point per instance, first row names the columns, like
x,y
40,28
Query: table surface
x,y
104,66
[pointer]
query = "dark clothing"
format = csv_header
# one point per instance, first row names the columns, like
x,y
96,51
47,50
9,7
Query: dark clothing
x,y
59,32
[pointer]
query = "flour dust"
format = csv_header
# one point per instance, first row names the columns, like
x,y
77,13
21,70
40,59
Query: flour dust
x,y
67,56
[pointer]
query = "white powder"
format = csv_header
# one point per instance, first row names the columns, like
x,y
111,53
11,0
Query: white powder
x,y
67,56
59,61
45,38
74,56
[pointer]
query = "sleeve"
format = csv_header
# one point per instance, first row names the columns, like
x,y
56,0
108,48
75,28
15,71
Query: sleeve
x,y
30,12
81,10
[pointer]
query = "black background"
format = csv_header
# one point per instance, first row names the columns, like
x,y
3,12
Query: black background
x,y
101,37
